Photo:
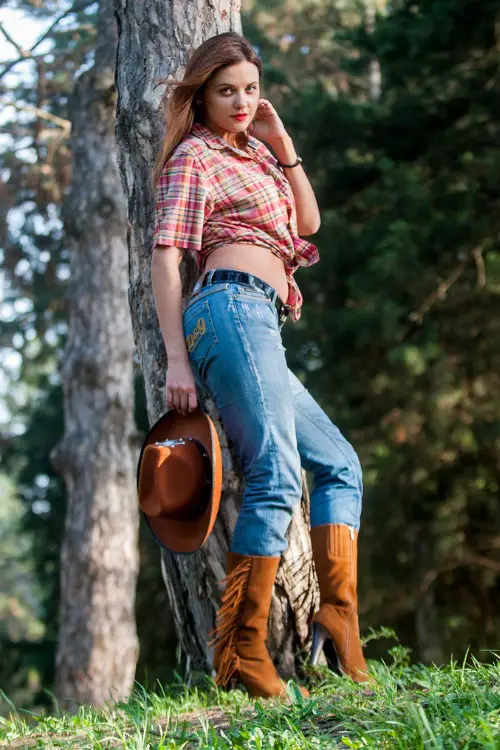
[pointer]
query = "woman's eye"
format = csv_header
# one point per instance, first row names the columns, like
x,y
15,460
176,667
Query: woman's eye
x,y
223,91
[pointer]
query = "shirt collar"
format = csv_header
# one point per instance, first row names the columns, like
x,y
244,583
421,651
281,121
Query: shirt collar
x,y
217,142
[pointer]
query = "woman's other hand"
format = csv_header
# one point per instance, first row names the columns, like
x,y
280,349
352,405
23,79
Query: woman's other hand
x,y
180,392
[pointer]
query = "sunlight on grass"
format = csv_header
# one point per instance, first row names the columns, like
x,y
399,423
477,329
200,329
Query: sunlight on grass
x,y
408,707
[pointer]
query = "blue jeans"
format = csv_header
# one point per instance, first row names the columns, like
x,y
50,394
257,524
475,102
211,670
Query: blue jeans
x,y
274,424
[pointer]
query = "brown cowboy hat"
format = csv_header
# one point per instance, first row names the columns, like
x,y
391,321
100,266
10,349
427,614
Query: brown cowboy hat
x,y
179,479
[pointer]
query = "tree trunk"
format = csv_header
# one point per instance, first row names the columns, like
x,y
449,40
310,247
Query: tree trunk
x,y
427,624
154,41
97,647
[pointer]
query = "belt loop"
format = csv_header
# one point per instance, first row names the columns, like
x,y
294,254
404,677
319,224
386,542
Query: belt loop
x,y
210,275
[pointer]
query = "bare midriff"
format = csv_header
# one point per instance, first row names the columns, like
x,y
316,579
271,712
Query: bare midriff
x,y
254,259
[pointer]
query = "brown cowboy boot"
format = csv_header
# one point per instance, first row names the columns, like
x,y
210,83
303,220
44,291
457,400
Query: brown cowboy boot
x,y
335,555
241,632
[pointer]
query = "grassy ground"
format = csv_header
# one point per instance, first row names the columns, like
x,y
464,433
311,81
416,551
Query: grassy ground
x,y
457,706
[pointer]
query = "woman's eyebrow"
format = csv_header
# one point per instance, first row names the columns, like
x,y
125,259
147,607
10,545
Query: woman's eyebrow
x,y
231,84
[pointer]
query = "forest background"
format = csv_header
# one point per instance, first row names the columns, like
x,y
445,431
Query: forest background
x,y
395,109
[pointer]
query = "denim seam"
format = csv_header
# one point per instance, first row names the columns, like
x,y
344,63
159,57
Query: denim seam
x,y
250,357
264,300
337,443
259,296
255,295
254,369
251,290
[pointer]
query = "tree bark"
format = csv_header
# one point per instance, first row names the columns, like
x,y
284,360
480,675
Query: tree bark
x,y
97,646
154,41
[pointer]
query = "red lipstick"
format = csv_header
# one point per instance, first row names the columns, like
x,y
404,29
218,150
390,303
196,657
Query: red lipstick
x,y
240,118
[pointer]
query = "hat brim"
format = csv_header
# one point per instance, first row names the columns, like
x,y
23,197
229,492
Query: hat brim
x,y
187,536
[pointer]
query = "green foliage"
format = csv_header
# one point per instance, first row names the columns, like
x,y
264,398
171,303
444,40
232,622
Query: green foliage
x,y
399,342
21,627
399,337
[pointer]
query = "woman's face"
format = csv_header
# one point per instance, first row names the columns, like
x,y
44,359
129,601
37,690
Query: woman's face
x,y
233,90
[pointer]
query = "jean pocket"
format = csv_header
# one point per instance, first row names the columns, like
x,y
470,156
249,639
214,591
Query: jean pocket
x,y
250,293
199,334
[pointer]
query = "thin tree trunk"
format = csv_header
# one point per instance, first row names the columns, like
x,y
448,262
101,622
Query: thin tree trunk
x,y
427,627
97,646
154,41
374,72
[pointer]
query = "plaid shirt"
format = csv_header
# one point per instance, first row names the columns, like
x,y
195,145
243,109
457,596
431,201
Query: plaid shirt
x,y
211,194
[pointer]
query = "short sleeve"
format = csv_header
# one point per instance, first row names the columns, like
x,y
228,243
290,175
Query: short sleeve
x,y
182,203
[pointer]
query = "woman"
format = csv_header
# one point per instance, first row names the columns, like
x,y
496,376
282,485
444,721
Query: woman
x,y
238,211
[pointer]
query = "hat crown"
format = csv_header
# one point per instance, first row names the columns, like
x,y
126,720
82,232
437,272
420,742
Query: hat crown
x,y
174,479
179,481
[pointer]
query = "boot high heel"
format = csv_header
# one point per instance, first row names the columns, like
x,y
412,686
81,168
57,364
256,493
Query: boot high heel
x,y
335,625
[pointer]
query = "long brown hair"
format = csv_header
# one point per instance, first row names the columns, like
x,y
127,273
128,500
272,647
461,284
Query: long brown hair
x,y
217,52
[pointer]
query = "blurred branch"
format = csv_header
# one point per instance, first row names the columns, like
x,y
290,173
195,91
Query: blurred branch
x,y
22,52
417,316
20,149
28,54
64,124
15,131
42,55
480,560
477,254
486,562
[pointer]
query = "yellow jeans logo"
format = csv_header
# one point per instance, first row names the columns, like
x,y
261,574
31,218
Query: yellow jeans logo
x,y
193,338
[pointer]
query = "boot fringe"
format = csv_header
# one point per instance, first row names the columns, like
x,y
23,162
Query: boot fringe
x,y
228,616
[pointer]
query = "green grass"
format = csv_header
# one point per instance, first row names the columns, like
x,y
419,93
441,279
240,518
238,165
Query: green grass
x,y
456,706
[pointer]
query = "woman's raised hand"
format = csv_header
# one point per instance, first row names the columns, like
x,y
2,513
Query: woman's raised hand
x,y
267,124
